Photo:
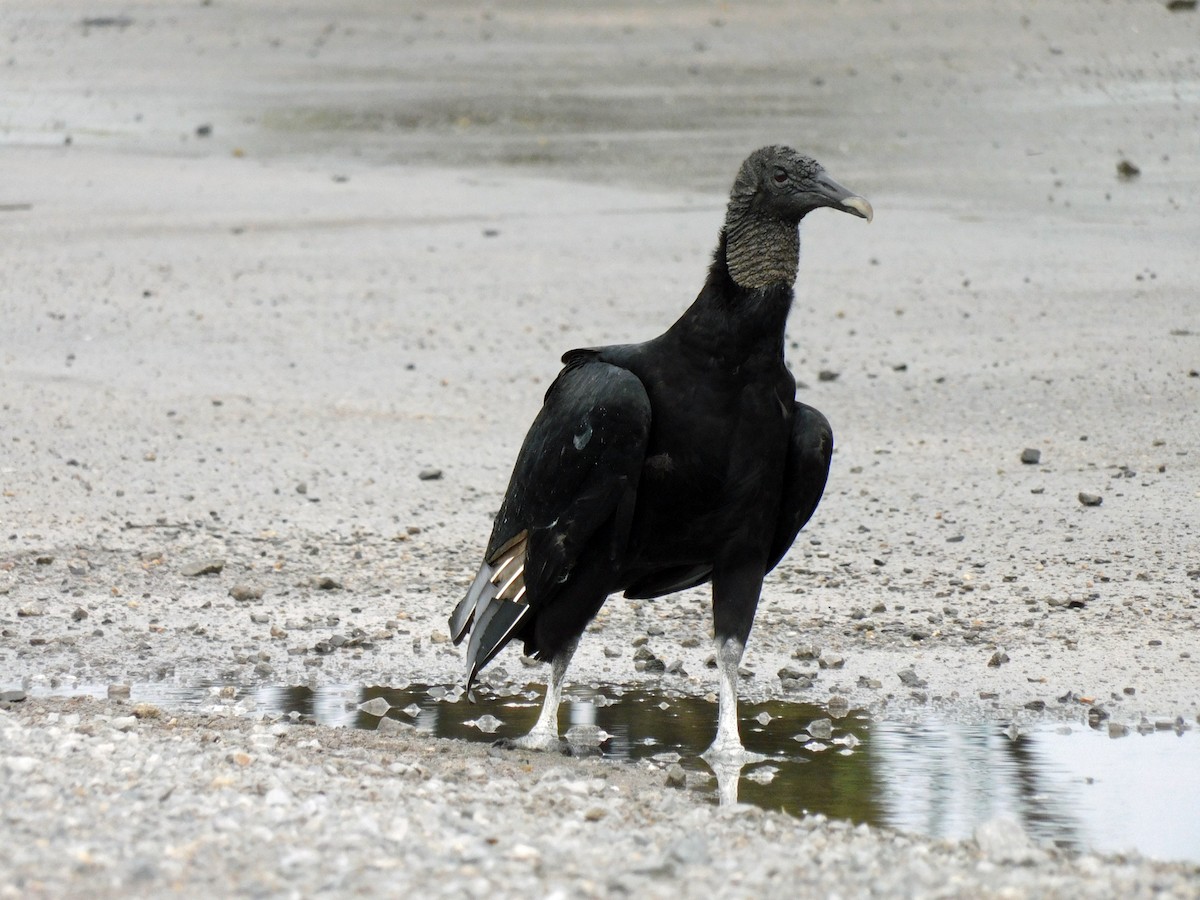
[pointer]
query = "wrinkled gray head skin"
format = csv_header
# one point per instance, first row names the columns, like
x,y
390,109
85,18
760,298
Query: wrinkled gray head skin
x,y
775,188
779,182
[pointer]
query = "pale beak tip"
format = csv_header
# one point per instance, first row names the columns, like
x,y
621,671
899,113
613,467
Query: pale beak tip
x,y
860,207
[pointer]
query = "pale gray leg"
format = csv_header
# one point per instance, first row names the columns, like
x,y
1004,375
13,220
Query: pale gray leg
x,y
728,743
544,734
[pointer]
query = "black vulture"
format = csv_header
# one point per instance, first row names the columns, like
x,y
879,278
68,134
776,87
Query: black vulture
x,y
659,466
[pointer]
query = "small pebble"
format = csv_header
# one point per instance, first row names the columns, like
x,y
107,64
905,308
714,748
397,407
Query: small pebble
x,y
830,660
1127,171
1090,499
821,728
376,706
211,566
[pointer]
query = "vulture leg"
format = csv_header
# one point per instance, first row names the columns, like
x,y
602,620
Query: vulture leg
x,y
735,599
544,734
728,742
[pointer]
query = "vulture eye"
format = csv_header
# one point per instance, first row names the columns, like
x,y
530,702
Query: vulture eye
x,y
780,176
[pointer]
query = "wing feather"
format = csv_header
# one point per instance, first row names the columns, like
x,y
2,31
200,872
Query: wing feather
x,y
576,473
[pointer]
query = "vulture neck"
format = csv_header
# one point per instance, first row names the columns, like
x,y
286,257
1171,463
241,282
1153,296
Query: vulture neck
x,y
741,312
760,251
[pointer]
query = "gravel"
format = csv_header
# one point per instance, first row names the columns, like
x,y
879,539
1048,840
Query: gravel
x,y
222,805
227,359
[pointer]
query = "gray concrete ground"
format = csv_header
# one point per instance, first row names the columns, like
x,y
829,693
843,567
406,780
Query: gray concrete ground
x,y
262,266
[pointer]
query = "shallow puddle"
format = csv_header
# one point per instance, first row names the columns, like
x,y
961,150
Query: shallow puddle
x,y
1067,783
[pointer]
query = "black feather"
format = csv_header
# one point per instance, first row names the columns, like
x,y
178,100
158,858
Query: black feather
x,y
659,466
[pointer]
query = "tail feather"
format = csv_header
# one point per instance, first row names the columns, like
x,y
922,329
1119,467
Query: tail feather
x,y
464,613
494,605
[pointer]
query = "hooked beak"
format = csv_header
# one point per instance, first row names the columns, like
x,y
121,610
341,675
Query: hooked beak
x,y
835,196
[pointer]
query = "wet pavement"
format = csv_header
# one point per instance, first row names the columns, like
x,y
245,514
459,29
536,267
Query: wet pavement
x,y
1074,786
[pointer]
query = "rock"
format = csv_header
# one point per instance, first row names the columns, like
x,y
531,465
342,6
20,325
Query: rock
x,y
1127,171
376,706
386,724
123,723
806,651
243,593
12,696
791,685
1181,5
676,776
828,375
790,672
79,614
821,728
212,566
22,765
1090,499
830,660
326,583
118,692
838,706
1031,456
586,735
910,678
998,659
1117,729
1003,840
430,474
488,724
259,618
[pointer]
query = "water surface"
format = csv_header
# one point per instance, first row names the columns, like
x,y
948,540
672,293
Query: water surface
x,y
1068,784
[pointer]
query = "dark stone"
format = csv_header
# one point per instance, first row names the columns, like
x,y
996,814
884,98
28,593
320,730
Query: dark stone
x,y
1127,171
1031,456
